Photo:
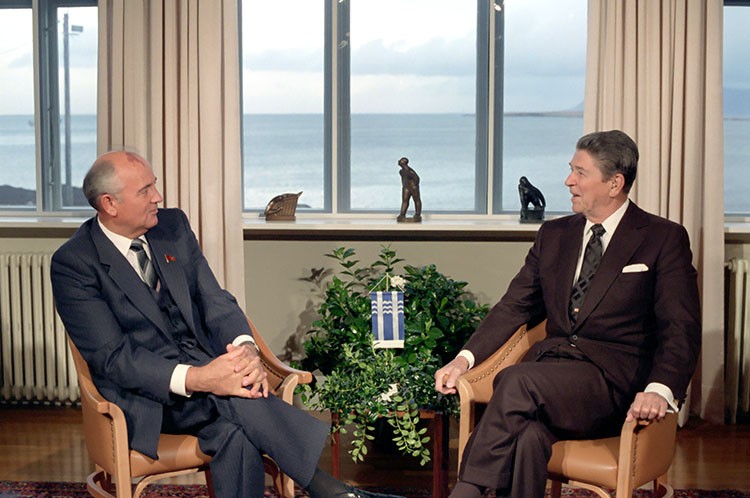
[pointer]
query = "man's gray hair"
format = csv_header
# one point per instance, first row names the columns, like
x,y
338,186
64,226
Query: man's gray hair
x,y
102,177
615,152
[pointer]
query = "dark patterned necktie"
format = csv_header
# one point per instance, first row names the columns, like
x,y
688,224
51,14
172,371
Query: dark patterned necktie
x,y
147,268
591,258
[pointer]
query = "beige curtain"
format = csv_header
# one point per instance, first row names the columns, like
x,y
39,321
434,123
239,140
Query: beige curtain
x,y
169,88
654,70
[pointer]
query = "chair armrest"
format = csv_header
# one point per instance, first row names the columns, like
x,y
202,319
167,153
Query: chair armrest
x,y
476,384
273,365
646,450
281,377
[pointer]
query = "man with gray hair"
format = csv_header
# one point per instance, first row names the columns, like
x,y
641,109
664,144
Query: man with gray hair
x,y
619,293
168,345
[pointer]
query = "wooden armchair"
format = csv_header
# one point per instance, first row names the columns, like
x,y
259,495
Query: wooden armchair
x,y
643,452
130,471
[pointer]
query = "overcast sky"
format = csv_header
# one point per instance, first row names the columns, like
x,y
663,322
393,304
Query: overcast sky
x,y
414,55
406,56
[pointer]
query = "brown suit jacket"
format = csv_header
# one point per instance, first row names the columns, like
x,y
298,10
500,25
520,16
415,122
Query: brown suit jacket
x,y
636,326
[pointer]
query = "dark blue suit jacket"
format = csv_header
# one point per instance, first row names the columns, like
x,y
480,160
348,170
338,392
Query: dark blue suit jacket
x,y
117,325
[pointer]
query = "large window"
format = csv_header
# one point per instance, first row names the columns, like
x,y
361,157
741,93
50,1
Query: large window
x,y
474,94
544,73
413,94
736,108
47,103
282,50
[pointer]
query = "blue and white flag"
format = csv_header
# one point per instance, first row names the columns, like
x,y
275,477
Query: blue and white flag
x,y
388,319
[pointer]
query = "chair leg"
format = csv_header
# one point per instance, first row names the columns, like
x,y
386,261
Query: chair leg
x,y
99,484
662,489
210,484
555,489
287,486
277,477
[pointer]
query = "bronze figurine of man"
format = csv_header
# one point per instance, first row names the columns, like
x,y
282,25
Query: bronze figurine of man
x,y
409,190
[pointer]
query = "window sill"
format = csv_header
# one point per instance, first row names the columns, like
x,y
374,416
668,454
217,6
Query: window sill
x,y
40,226
737,231
353,227
379,227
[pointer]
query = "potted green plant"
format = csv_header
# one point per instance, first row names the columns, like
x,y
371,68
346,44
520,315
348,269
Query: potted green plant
x,y
363,383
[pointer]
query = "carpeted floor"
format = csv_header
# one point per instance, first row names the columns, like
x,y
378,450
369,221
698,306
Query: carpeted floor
x,y
14,489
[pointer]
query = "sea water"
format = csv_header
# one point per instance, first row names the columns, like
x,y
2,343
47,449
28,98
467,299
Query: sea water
x,y
285,153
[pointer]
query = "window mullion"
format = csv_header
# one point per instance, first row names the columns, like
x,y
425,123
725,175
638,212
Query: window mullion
x,y
342,54
330,155
483,154
49,112
497,68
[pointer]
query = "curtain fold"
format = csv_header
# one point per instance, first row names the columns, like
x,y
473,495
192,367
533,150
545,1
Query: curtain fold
x,y
654,70
169,89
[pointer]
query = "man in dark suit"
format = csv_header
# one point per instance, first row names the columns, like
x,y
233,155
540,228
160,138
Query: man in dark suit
x,y
623,328
168,345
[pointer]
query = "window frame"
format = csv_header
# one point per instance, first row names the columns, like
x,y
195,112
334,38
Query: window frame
x,y
337,115
488,111
736,222
47,108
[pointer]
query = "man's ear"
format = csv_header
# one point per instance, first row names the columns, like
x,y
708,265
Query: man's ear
x,y
108,204
616,184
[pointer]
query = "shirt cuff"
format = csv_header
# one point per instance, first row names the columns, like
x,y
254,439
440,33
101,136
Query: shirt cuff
x,y
664,392
242,339
177,382
468,355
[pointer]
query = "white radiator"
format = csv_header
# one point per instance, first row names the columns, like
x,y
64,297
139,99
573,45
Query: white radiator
x,y
36,362
737,372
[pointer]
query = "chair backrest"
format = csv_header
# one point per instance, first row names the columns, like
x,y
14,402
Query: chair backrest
x,y
102,441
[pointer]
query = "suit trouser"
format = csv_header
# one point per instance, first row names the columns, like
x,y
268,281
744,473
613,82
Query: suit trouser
x,y
236,432
534,404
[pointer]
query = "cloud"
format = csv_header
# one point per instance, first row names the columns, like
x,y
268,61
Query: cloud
x,y
412,94
83,49
736,47
438,57
22,61
302,61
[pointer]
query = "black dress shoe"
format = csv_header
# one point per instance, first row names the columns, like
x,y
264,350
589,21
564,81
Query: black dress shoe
x,y
352,492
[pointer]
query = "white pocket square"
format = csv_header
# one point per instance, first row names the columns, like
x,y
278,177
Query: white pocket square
x,y
636,268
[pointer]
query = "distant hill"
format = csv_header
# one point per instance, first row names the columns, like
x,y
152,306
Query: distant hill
x,y
736,106
15,196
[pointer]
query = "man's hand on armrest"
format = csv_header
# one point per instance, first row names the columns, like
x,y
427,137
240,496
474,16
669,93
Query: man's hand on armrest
x,y
647,406
446,377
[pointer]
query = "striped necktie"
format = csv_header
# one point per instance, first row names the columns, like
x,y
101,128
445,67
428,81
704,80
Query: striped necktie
x,y
147,268
591,259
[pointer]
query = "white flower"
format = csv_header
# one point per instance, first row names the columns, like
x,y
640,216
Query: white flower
x,y
398,281
386,396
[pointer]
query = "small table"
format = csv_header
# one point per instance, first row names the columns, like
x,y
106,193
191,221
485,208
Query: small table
x,y
440,455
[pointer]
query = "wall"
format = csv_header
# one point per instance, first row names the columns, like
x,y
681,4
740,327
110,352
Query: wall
x,y
17,244
281,304
736,248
